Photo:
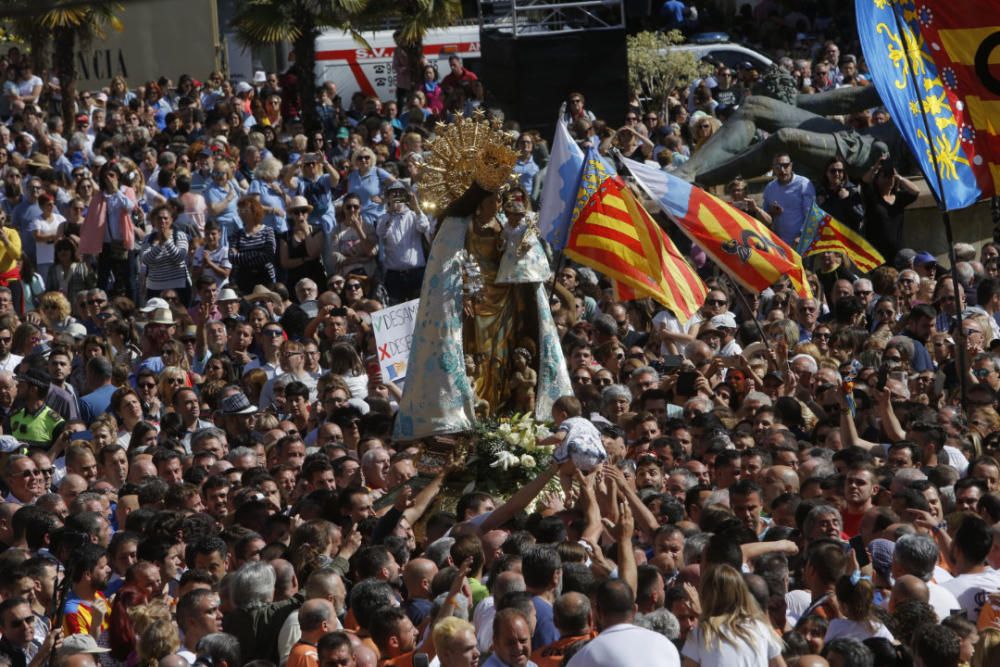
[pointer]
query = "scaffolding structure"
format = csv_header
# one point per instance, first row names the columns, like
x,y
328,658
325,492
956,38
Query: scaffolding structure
x,y
541,18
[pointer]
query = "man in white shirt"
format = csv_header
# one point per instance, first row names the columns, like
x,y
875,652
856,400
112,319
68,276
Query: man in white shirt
x,y
974,580
8,361
621,642
401,232
917,555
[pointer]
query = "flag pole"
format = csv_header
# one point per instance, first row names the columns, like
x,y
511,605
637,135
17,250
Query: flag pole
x,y
945,214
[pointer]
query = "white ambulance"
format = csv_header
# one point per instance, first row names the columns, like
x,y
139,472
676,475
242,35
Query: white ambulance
x,y
347,63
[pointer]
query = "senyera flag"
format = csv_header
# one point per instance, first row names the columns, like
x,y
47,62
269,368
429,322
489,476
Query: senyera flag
x,y
742,246
831,235
936,65
614,235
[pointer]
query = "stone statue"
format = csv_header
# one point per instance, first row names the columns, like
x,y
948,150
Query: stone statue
x,y
797,124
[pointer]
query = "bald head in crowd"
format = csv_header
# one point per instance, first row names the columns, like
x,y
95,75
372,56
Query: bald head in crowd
x,y
418,575
908,587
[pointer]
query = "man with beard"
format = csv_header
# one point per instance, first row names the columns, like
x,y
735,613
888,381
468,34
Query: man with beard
x,y
86,609
400,231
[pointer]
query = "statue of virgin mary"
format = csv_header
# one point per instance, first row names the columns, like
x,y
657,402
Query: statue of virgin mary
x,y
483,294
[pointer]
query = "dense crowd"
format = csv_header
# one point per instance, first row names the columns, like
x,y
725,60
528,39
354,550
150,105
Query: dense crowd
x,y
198,463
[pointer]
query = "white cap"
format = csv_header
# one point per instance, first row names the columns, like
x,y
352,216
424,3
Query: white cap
x,y
154,303
725,320
76,330
259,76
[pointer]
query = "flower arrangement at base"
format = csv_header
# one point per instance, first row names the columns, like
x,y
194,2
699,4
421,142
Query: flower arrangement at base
x,y
505,454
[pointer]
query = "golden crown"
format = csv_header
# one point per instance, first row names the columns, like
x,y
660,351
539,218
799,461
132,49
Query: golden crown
x,y
467,151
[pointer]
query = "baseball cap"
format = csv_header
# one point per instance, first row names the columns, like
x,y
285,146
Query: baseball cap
x,y
243,87
904,259
155,303
80,643
723,321
924,258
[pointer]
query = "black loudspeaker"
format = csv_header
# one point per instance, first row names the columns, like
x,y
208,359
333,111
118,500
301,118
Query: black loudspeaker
x,y
530,77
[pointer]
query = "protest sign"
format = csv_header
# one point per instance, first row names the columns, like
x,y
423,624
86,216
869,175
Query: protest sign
x,y
393,328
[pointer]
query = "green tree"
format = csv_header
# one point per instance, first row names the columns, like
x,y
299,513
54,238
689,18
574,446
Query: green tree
x,y
299,22
69,25
656,68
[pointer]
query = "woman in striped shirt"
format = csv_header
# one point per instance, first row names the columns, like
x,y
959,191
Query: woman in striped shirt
x,y
164,254
253,250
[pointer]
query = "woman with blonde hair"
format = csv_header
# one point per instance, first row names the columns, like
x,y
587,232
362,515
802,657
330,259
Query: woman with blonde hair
x,y
118,91
732,630
156,633
368,181
55,310
703,127
172,378
267,188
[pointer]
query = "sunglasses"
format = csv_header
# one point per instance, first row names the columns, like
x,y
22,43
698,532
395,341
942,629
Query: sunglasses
x,y
351,207
271,333
716,302
353,286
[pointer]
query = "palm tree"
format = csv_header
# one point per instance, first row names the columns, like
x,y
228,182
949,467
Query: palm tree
x,y
298,22
70,24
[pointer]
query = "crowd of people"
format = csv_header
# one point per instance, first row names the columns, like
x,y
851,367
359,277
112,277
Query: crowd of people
x,y
197,457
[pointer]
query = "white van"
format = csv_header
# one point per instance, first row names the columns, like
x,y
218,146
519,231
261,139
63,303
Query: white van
x,y
354,68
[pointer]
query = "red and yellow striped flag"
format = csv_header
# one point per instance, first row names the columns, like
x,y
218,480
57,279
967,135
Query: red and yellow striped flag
x,y
833,235
740,245
616,236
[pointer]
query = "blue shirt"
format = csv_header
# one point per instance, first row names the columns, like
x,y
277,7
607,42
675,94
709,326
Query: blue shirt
x,y
674,11
319,194
270,199
96,403
545,626
23,215
118,203
229,219
526,172
366,187
796,199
